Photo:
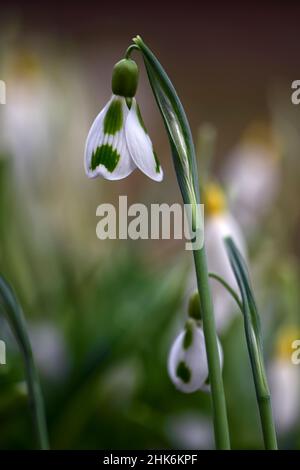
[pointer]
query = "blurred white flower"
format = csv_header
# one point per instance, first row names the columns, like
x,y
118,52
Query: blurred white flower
x,y
187,363
252,176
190,430
284,380
27,117
219,223
49,350
121,381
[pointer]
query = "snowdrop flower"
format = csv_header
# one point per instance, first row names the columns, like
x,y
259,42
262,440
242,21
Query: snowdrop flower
x,y
187,363
219,223
284,377
252,175
27,124
190,430
50,350
118,141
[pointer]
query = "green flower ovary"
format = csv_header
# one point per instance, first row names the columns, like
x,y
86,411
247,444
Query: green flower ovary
x,y
125,78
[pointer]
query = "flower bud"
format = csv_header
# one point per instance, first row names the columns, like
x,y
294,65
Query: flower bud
x,y
125,78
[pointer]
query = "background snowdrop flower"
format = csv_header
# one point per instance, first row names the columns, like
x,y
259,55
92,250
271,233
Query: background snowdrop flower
x,y
187,364
219,223
118,141
27,118
252,175
284,379
50,350
190,430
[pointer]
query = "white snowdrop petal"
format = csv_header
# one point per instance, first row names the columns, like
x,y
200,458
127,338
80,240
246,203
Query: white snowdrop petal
x,y
140,145
216,228
188,367
95,138
284,385
104,153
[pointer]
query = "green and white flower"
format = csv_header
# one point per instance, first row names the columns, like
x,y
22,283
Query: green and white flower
x,y
187,363
118,141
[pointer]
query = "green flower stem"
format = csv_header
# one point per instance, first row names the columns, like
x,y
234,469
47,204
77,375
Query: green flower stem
x,y
11,308
184,158
267,423
228,288
215,375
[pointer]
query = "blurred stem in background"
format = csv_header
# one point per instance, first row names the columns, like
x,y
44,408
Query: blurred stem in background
x,y
184,159
254,343
205,150
11,308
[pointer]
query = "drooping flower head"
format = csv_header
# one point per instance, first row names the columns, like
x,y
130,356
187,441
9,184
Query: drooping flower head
x,y
187,364
118,141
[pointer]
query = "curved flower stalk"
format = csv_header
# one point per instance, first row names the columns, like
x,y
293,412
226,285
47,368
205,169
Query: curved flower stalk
x,y
118,141
113,152
284,380
187,363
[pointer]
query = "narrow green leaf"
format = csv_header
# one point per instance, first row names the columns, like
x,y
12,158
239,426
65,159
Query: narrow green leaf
x,y
10,307
251,318
254,342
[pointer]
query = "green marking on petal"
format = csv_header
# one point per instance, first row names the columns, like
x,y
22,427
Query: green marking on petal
x,y
157,168
139,116
106,156
113,120
183,372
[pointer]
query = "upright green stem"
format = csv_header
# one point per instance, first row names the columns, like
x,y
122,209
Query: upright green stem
x,y
215,376
266,417
184,159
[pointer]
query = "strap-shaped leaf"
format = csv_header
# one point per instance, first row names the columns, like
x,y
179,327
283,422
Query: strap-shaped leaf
x,y
251,318
254,342
11,309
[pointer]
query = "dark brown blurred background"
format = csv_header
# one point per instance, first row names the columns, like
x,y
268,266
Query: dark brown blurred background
x,y
223,58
